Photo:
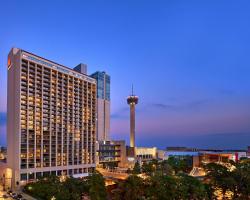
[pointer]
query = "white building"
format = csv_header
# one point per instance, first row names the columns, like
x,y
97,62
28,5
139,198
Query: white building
x,y
51,119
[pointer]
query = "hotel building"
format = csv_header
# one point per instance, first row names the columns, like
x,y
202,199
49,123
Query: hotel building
x,y
103,105
51,126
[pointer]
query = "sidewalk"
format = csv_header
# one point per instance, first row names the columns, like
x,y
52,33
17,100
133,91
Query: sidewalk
x,y
26,196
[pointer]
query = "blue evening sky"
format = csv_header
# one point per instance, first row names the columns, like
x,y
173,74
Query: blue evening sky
x,y
188,60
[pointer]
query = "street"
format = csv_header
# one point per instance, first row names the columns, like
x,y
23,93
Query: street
x,y
25,196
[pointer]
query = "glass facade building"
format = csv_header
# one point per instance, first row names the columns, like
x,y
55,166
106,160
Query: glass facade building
x,y
103,85
103,105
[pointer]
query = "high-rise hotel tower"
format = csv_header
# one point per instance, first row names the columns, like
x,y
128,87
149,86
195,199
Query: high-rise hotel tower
x,y
51,119
103,105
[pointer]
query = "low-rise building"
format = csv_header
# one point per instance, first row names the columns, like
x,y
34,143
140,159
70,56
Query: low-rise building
x,y
145,153
221,155
111,154
181,149
201,156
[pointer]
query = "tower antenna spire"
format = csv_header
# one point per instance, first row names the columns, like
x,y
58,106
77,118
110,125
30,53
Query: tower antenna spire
x,y
132,89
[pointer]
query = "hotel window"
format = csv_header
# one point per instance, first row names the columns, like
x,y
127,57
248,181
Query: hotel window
x,y
23,177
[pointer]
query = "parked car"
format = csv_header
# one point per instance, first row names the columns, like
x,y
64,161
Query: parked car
x,y
14,195
9,192
19,196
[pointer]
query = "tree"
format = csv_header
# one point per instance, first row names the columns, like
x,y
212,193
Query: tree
x,y
165,168
75,188
97,189
161,187
209,191
148,168
45,188
181,164
233,177
131,189
137,168
220,177
190,188
51,186
241,176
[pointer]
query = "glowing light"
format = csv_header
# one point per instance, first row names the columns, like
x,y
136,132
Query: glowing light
x,y
9,63
62,178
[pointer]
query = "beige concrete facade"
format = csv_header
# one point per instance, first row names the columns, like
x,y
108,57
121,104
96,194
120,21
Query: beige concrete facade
x,y
5,176
51,121
132,101
146,153
103,119
111,152
132,125
103,105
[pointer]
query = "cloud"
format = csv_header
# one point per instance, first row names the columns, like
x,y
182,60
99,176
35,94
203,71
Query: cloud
x,y
163,106
227,92
197,103
121,114
192,105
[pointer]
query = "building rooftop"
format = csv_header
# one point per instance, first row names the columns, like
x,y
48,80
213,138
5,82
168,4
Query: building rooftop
x,y
55,63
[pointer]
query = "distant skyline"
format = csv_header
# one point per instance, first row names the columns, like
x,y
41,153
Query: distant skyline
x,y
188,60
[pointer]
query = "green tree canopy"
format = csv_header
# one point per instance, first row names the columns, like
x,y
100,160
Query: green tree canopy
x,y
137,168
97,188
131,189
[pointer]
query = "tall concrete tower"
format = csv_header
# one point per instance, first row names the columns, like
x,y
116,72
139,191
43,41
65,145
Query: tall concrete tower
x,y
132,101
103,105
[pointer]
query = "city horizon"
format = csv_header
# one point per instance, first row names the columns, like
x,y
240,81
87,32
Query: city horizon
x,y
187,61
202,141
124,100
